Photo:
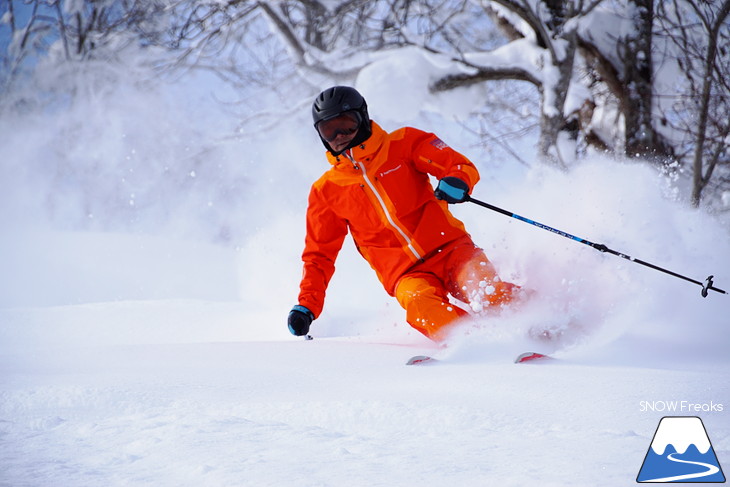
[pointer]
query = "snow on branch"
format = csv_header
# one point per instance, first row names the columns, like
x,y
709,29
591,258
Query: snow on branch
x,y
518,60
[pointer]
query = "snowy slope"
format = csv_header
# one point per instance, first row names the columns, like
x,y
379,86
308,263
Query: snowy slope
x,y
148,361
330,412
148,260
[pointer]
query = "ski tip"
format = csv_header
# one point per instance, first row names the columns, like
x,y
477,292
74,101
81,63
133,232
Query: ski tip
x,y
522,358
420,359
531,356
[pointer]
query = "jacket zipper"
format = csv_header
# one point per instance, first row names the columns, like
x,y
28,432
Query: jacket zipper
x,y
383,206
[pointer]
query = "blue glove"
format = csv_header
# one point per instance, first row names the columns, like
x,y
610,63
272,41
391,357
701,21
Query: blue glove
x,y
299,320
452,190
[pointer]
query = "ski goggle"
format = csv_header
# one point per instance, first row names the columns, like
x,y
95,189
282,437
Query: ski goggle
x,y
346,123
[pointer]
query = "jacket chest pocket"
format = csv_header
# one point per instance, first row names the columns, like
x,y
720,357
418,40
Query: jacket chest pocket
x,y
404,186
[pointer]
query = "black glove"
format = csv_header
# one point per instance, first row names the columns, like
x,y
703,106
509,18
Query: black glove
x,y
299,320
452,190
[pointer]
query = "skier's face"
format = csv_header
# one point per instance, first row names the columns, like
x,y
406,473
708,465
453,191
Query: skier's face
x,y
341,142
339,131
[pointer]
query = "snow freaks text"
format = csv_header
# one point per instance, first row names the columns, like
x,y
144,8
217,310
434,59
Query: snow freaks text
x,y
680,407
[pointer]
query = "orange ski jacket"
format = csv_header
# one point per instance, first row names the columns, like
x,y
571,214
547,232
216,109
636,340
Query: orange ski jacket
x,y
380,192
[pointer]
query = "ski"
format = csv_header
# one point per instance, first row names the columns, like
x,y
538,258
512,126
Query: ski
x,y
420,359
521,358
531,357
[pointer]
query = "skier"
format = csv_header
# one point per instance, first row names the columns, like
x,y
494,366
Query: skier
x,y
378,189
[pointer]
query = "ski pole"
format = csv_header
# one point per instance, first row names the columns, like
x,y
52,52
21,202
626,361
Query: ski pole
x,y
707,285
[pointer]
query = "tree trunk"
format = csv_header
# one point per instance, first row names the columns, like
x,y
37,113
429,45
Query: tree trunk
x,y
552,116
638,75
699,178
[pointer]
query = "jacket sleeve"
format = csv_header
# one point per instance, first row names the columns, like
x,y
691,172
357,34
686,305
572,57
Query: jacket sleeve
x,y
431,155
325,235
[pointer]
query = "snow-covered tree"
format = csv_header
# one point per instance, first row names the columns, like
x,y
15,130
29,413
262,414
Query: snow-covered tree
x,y
564,49
633,77
73,31
334,41
697,34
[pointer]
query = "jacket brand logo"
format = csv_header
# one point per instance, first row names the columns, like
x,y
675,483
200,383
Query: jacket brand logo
x,y
391,170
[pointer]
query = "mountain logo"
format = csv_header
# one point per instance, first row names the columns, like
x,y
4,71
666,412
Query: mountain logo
x,y
681,452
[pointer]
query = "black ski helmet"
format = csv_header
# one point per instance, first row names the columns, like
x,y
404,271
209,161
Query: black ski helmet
x,y
339,99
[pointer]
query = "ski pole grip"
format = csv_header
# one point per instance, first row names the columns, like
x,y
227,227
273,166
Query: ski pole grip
x,y
707,285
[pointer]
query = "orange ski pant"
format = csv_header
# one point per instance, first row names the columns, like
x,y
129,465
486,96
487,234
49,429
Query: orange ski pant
x,y
461,270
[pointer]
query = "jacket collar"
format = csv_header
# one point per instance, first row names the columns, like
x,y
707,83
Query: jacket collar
x,y
363,151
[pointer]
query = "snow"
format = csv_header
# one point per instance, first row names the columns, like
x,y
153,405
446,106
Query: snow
x,y
161,375
73,7
6,18
148,345
410,72
604,24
